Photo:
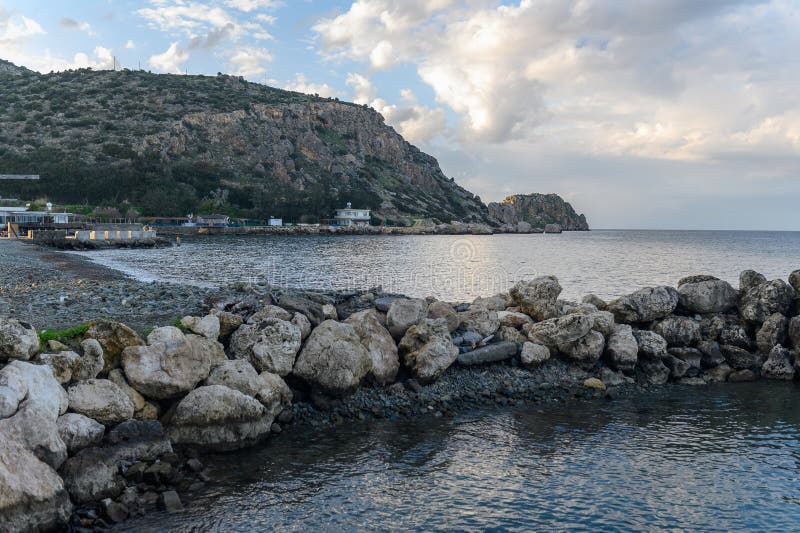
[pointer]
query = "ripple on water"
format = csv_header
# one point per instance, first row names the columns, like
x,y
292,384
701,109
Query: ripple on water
x,y
720,458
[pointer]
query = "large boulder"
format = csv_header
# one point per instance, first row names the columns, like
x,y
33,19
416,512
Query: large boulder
x,y
32,495
652,371
765,299
270,312
794,281
711,354
333,359
678,330
735,334
622,350
92,361
778,365
555,331
537,297
707,296
651,344
101,400
18,340
113,338
513,319
772,332
403,314
31,400
498,302
645,305
738,358
79,431
491,353
271,345
312,310
219,418
585,351
268,388
172,364
794,332
379,343
480,320
62,364
228,322
428,350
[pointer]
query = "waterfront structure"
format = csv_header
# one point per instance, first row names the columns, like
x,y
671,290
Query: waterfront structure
x,y
275,221
27,177
21,215
352,217
213,220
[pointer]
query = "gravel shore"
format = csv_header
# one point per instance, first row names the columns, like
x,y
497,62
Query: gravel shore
x,y
52,289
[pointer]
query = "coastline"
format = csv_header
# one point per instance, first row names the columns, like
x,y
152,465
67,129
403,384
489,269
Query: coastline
x,y
249,362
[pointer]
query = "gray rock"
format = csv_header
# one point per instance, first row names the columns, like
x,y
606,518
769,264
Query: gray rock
x,y
171,366
62,364
712,354
333,359
378,343
498,302
596,301
552,228
602,322
513,319
537,298
555,331
650,343
533,354
749,279
207,326
652,371
142,409
735,335
383,303
480,320
172,502
765,299
794,281
778,365
491,353
585,351
692,356
645,305
219,418
270,312
678,330
303,324
622,350
100,399
271,345
772,332
312,310
18,340
228,322
92,361
697,278
403,314
32,495
738,358
677,367
510,334
742,376
113,338
718,374
79,432
707,296
31,400
794,332
444,310
427,350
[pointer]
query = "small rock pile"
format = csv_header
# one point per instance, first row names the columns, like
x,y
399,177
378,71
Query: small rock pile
x,y
113,426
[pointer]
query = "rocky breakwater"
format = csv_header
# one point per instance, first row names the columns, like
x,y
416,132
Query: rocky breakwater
x,y
113,424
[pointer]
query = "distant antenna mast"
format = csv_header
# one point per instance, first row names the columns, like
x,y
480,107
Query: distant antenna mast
x,y
115,62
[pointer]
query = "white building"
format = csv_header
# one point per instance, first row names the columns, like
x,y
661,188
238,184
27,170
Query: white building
x,y
352,217
21,215
275,221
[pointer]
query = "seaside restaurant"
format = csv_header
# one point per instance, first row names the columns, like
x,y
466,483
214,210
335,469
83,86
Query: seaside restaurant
x,y
352,217
21,215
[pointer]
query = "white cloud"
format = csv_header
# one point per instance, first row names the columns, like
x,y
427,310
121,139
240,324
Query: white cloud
x,y
249,61
72,24
415,122
15,29
101,59
130,45
170,60
301,84
251,5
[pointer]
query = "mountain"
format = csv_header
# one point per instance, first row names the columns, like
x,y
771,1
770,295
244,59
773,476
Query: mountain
x,y
538,210
7,67
171,144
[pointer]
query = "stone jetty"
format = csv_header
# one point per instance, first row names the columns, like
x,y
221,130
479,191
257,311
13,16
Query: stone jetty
x,y
114,422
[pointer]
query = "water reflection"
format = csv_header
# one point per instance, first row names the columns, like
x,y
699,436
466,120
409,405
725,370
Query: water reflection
x,y
714,458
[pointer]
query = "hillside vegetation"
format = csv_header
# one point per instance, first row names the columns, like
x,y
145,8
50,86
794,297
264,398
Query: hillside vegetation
x,y
169,145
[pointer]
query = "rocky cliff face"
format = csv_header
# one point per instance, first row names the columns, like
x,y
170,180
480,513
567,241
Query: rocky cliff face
x,y
538,210
172,144
6,67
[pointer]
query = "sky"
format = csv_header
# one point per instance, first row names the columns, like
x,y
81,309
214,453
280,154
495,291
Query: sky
x,y
662,114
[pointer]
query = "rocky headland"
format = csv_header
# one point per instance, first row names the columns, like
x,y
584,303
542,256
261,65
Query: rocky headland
x,y
536,210
104,421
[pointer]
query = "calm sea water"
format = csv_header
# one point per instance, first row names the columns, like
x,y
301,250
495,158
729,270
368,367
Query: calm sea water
x,y
718,458
459,268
